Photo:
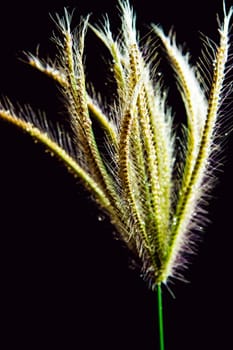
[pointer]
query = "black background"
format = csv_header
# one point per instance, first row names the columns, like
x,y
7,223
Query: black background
x,y
65,281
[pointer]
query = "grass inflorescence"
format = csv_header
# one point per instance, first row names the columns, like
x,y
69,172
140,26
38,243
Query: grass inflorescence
x,y
153,195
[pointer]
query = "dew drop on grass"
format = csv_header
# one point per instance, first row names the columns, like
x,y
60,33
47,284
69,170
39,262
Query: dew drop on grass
x,y
100,218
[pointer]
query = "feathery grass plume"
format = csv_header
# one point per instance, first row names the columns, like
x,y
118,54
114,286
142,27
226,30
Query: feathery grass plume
x,y
134,179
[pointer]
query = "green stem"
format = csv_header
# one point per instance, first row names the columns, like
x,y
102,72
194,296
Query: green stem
x,y
160,317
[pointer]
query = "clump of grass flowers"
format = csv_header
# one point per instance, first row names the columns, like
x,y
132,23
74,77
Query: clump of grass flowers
x,y
153,195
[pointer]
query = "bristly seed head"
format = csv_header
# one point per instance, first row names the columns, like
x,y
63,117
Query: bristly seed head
x,y
153,195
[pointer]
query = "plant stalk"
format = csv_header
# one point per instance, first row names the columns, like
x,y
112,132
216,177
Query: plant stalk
x,y
160,317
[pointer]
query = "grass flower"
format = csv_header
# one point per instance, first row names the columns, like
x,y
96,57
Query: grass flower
x,y
154,196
